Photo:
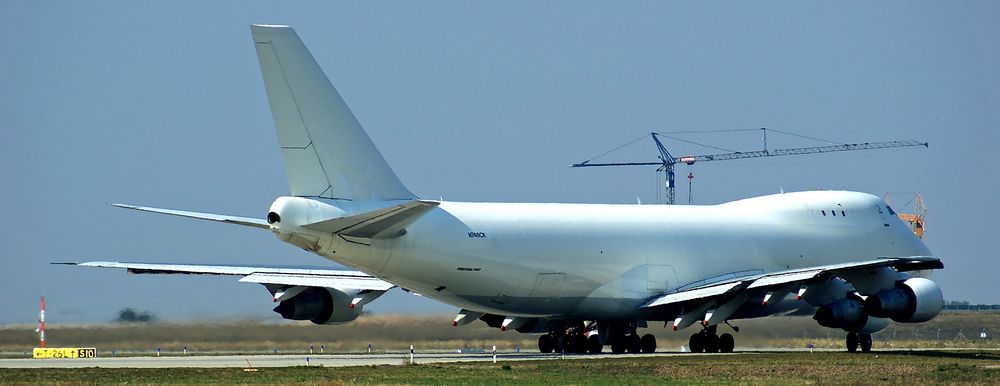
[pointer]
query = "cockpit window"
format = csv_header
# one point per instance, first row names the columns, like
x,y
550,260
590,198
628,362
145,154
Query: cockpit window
x,y
892,212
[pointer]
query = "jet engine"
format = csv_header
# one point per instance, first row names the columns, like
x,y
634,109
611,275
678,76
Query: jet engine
x,y
848,314
914,300
320,306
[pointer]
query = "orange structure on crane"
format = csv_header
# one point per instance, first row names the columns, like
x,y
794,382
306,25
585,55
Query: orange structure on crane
x,y
916,220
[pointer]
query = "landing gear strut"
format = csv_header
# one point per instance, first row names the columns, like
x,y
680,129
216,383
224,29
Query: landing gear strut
x,y
708,341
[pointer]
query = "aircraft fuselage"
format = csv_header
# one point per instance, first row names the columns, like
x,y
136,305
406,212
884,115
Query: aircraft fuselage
x,y
601,261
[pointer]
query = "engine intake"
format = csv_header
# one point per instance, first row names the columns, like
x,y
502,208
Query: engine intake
x,y
914,300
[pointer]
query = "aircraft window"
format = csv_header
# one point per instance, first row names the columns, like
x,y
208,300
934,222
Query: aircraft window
x,y
824,213
834,213
892,212
843,214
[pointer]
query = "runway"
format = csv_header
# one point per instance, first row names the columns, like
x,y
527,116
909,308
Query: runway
x,y
356,359
286,360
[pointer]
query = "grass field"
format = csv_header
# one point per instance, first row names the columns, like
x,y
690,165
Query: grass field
x,y
394,333
923,367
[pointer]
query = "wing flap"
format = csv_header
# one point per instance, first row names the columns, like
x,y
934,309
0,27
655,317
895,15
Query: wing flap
x,y
698,293
326,281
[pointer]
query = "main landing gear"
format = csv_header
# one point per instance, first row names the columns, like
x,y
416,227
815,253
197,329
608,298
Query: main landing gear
x,y
633,344
855,339
709,341
572,340
582,339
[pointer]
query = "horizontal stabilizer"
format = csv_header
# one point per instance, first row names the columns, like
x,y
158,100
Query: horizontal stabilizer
x,y
245,221
382,223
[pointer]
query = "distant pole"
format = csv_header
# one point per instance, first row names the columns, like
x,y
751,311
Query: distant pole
x,y
763,130
41,324
690,193
411,354
494,354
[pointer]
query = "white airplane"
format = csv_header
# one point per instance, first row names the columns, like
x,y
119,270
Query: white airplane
x,y
584,276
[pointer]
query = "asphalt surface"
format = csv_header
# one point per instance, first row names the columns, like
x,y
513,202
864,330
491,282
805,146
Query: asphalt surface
x,y
336,360
285,360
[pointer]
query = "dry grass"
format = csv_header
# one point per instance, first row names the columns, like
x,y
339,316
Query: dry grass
x,y
396,333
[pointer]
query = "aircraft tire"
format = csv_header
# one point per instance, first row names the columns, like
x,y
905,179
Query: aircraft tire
x,y
648,344
580,344
633,344
618,345
545,344
696,343
711,343
852,341
594,345
865,340
726,343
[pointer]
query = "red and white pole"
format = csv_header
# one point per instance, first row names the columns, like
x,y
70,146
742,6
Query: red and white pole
x,y
41,324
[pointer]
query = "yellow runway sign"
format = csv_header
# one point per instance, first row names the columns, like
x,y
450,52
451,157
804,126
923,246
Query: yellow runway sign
x,y
43,353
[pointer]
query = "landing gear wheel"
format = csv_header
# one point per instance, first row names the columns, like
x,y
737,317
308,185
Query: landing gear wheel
x,y
852,341
618,345
711,343
866,342
726,343
594,345
633,343
580,344
546,344
648,344
697,343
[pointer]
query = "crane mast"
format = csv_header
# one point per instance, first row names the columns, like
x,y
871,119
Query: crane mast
x,y
667,161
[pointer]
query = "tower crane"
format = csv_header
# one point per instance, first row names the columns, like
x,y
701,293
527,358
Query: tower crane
x,y
667,161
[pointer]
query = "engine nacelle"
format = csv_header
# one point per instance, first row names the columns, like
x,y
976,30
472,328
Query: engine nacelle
x,y
874,325
914,300
848,314
320,306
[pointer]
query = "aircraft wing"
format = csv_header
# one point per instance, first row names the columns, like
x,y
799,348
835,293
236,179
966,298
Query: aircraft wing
x,y
271,277
789,278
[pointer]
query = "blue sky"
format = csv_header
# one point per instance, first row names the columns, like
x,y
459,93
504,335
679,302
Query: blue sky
x,y
161,103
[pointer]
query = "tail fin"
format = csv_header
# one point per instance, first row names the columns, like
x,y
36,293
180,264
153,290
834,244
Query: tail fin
x,y
326,152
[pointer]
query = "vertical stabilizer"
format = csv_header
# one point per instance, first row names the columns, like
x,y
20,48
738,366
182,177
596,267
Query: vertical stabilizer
x,y
326,152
